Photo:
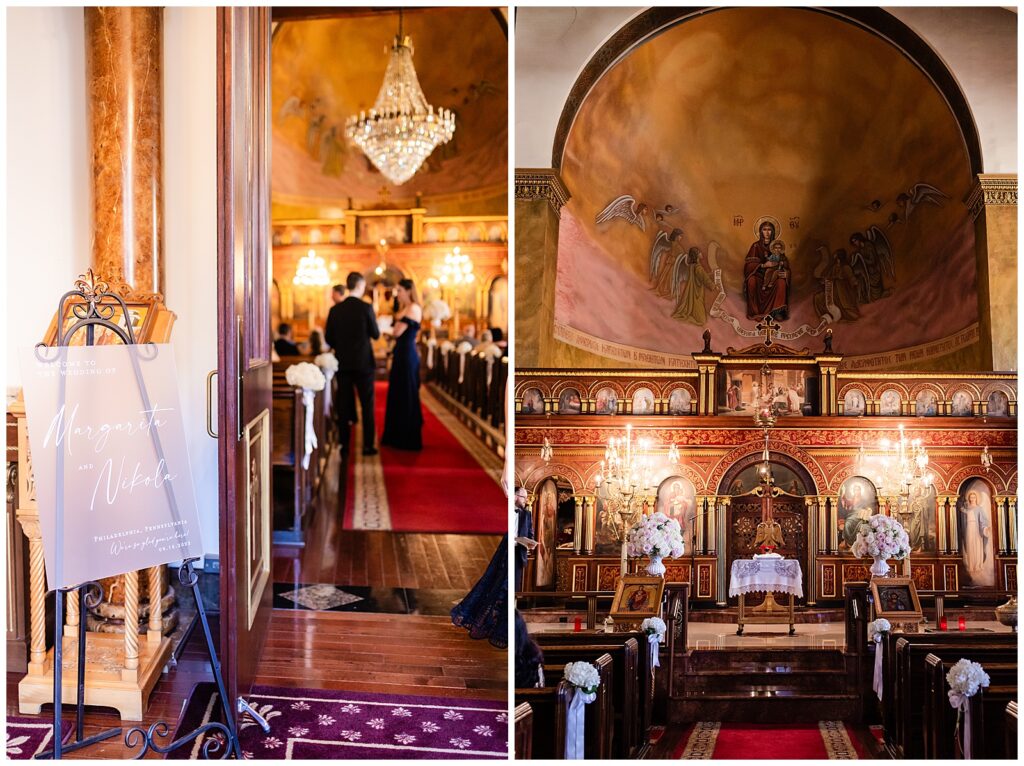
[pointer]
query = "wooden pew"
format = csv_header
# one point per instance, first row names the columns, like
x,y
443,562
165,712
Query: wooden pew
x,y
287,447
1010,717
549,705
598,719
908,689
523,717
642,721
626,700
987,709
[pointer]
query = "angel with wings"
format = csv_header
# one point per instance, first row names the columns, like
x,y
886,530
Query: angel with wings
x,y
665,252
872,260
634,212
919,194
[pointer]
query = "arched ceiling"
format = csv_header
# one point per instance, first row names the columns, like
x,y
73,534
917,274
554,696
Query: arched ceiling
x,y
752,112
323,70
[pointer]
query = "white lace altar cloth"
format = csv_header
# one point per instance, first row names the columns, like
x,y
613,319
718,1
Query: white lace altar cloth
x,y
766,575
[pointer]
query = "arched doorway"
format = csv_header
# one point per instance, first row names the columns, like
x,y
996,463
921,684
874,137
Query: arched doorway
x,y
742,483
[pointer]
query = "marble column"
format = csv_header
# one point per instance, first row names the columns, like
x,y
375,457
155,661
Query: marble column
x,y
993,205
123,52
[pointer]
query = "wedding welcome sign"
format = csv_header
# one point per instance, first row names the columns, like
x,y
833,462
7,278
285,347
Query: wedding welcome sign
x,y
109,459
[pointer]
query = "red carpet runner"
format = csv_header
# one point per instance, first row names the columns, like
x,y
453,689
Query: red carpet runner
x,y
443,488
825,740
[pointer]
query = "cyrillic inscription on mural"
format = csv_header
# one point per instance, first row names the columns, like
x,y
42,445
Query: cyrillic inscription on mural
x,y
110,459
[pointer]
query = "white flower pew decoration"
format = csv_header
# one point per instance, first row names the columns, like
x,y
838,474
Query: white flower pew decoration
x,y
877,630
310,379
584,680
462,349
490,352
328,364
965,679
431,345
655,629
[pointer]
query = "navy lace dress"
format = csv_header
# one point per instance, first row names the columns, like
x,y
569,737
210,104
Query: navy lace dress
x,y
403,418
484,610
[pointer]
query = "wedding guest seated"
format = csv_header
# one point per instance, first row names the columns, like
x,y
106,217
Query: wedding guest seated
x,y
317,344
337,294
529,657
498,336
468,336
285,344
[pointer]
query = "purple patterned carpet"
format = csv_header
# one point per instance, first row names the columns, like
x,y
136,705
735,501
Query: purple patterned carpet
x,y
28,736
306,723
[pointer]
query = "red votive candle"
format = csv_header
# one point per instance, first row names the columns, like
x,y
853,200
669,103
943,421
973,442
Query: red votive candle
x,y
577,625
963,623
943,623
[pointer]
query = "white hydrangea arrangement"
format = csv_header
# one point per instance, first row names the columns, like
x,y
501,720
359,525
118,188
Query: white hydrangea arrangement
x,y
965,678
654,626
305,375
447,346
655,535
877,627
327,362
437,311
464,348
881,537
583,675
492,350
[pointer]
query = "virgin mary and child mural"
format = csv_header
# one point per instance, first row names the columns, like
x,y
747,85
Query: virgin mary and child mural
x,y
766,276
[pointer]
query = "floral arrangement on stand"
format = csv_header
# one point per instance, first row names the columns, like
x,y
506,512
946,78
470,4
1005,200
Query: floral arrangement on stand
x,y
584,679
882,538
657,536
876,630
310,379
655,629
965,679
436,312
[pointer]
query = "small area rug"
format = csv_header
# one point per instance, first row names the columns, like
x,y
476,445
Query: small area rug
x,y
322,725
28,736
450,486
825,740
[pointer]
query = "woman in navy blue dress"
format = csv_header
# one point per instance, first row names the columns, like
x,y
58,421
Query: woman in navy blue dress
x,y
403,418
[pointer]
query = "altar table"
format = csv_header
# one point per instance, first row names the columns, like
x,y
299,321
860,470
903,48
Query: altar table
x,y
768,576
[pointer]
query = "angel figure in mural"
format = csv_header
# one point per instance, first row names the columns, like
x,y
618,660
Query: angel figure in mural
x,y
766,277
845,289
872,259
695,279
918,194
628,209
664,254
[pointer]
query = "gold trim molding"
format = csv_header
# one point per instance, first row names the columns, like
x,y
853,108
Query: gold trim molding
x,y
542,183
992,189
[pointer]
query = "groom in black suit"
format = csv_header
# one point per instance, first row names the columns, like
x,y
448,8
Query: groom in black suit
x,y
351,328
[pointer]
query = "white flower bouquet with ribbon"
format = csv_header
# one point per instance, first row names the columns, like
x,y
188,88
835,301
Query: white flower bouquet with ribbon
x,y
447,347
655,629
328,364
965,679
657,536
490,352
431,345
875,630
462,349
310,379
584,679
882,538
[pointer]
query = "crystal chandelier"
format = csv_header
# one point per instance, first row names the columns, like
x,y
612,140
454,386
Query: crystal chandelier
x,y
622,483
402,129
311,271
382,250
456,271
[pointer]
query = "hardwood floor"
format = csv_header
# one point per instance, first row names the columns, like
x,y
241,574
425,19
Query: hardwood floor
x,y
354,651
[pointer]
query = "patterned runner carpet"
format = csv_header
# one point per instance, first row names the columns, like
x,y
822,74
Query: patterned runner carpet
x,y
825,740
452,485
308,723
28,736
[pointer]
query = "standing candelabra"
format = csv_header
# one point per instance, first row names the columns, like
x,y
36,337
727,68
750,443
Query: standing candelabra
x,y
623,484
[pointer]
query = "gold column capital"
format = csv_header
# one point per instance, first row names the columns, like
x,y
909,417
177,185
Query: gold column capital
x,y
991,189
542,183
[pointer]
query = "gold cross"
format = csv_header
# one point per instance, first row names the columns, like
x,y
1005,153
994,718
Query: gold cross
x,y
768,326
384,193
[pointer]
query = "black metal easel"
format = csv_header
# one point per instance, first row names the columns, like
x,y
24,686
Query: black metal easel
x,y
96,307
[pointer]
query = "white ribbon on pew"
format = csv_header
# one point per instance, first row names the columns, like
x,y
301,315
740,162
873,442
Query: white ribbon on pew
x,y
329,375
876,680
462,365
653,639
431,344
574,723
962,702
308,401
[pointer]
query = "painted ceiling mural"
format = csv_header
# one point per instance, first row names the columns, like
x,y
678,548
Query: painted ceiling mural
x,y
766,161
325,70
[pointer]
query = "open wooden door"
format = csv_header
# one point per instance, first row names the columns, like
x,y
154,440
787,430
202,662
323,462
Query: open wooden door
x,y
243,326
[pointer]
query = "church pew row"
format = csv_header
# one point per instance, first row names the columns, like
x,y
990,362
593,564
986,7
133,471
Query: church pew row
x,y
625,698
482,398
549,705
1010,718
987,710
598,716
522,718
905,681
